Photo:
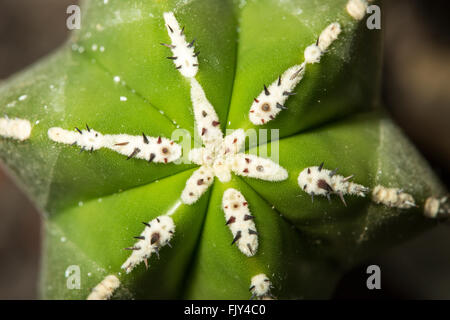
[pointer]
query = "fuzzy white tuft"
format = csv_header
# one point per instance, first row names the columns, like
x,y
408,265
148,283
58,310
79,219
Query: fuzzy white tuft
x,y
152,149
312,54
328,36
105,289
197,184
437,208
320,181
240,221
260,286
184,56
234,142
206,119
252,166
156,234
198,156
392,197
62,136
272,99
19,129
357,8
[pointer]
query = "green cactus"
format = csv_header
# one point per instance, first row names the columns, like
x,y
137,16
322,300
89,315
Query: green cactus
x,y
307,72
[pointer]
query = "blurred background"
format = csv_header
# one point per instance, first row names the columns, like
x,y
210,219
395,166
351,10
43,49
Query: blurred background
x,y
416,91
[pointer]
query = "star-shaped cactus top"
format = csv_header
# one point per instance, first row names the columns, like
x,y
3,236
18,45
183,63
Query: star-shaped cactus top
x,y
221,155
218,158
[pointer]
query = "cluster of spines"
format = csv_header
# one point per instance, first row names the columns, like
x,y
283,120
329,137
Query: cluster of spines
x,y
272,99
157,233
240,221
152,149
317,180
183,52
18,129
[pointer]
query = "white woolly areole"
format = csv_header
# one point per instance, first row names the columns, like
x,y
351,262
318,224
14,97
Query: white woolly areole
x,y
184,56
357,8
105,289
197,184
248,165
19,129
260,286
152,149
234,142
320,181
240,221
157,233
271,100
312,54
62,136
392,197
328,35
436,208
206,119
